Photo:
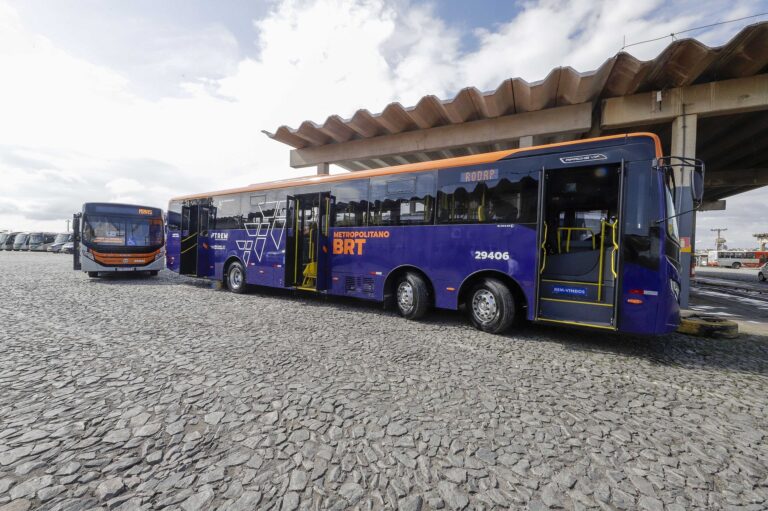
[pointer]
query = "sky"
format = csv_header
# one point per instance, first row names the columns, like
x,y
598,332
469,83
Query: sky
x,y
105,100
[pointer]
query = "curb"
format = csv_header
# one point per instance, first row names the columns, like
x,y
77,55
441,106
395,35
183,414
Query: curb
x,y
702,325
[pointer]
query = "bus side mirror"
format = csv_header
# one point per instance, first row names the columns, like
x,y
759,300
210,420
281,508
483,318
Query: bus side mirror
x,y
697,185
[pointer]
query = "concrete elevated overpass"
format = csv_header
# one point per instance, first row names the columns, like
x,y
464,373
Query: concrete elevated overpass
x,y
703,102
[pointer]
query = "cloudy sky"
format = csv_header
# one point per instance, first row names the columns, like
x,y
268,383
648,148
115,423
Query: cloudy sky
x,y
143,100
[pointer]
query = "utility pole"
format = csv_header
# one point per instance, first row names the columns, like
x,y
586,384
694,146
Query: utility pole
x,y
719,241
762,240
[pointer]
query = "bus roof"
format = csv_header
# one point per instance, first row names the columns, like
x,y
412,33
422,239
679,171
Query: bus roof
x,y
460,161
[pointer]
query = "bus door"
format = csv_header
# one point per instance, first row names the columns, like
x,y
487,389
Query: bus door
x,y
205,258
579,245
190,232
307,243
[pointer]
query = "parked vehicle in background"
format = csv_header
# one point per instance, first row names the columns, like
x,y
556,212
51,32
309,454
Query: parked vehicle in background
x,y
59,242
762,273
3,237
68,248
7,243
40,241
20,241
736,258
118,237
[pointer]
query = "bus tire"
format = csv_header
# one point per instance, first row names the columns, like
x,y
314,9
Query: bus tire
x,y
491,306
236,277
761,277
93,274
153,273
736,266
412,296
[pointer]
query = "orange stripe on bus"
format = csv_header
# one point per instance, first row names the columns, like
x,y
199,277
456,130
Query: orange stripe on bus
x,y
460,161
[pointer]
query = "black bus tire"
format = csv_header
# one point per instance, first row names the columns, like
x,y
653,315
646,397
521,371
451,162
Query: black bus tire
x,y
93,274
761,277
736,266
236,277
491,306
153,273
412,296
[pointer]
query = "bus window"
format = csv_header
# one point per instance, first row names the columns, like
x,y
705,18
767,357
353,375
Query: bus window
x,y
351,203
228,212
174,216
509,199
402,200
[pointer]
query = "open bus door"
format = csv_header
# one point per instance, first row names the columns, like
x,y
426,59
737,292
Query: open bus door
x,y
76,241
206,222
190,233
579,233
307,245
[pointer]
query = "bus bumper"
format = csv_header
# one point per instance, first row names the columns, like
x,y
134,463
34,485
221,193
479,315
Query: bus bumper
x,y
88,264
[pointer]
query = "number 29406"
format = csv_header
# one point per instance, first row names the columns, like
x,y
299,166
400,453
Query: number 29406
x,y
497,256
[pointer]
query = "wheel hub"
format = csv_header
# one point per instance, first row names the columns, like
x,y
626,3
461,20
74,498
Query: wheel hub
x,y
484,306
235,277
405,296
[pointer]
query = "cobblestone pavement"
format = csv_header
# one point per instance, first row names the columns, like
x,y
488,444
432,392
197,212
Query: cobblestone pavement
x,y
164,393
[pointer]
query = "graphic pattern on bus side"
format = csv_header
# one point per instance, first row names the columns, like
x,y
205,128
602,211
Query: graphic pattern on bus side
x,y
271,227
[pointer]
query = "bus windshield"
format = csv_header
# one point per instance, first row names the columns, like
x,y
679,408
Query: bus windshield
x,y
61,238
36,237
122,231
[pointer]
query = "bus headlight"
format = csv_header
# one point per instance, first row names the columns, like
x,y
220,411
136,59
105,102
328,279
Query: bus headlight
x,y
675,289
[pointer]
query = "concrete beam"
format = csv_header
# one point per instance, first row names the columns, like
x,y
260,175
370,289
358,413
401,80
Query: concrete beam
x,y
740,177
566,119
323,169
718,205
706,99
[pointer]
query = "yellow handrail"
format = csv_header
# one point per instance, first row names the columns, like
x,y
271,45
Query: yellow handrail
x,y
543,249
296,244
600,266
327,215
615,250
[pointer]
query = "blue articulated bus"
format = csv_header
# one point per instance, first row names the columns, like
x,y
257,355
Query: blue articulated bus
x,y
580,233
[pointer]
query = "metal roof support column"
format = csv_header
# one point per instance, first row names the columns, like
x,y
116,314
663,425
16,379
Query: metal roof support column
x,y
323,169
684,144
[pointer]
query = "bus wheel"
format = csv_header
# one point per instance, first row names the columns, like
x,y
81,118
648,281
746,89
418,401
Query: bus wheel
x,y
153,273
491,306
93,274
736,266
236,277
412,296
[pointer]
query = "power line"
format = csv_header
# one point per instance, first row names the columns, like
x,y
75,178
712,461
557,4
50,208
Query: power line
x,y
673,34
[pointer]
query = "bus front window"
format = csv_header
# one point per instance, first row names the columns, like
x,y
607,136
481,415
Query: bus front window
x,y
130,232
672,230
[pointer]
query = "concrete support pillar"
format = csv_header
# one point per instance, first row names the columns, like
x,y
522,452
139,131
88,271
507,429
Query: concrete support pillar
x,y
684,144
526,141
323,169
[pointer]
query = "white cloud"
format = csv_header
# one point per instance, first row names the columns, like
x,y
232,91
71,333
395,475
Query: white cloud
x,y
73,130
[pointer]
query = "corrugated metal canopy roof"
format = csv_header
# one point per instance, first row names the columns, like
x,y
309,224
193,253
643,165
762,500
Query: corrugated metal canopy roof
x,y
682,63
